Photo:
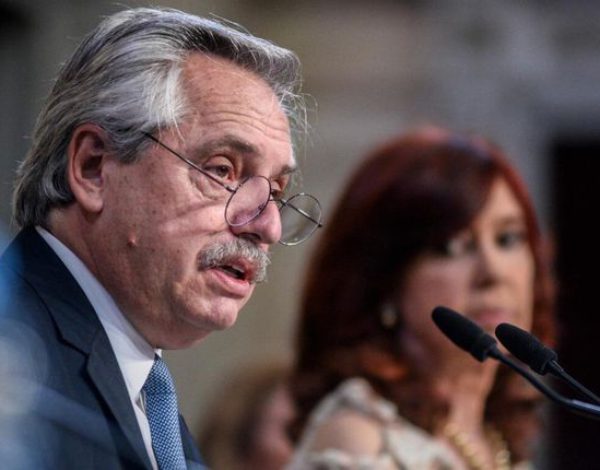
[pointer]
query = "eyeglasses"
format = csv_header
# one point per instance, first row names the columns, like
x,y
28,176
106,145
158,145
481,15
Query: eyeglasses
x,y
300,214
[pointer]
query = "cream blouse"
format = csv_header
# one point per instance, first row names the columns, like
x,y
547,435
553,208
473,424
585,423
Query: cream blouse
x,y
404,446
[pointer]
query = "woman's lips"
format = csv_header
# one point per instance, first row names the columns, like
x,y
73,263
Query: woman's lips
x,y
490,318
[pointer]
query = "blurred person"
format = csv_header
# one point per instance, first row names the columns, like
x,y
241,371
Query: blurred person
x,y
431,218
152,192
246,428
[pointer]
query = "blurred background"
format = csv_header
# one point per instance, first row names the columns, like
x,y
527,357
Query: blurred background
x,y
526,74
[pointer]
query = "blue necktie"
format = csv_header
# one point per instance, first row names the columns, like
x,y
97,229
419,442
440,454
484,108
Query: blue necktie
x,y
163,417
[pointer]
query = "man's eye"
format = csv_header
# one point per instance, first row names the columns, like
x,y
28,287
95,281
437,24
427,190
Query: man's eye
x,y
280,189
276,192
223,171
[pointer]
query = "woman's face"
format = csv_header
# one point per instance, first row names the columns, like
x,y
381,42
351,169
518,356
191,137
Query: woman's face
x,y
486,272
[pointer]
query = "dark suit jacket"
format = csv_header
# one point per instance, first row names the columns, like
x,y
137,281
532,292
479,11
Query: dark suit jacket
x,y
78,413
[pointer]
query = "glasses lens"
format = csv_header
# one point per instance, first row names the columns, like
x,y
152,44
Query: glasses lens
x,y
248,201
300,217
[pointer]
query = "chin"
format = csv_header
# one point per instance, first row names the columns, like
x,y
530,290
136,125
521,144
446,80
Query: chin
x,y
224,321
188,332
217,318
206,312
185,333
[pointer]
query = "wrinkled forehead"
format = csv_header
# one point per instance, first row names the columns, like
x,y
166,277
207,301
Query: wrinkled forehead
x,y
219,92
207,78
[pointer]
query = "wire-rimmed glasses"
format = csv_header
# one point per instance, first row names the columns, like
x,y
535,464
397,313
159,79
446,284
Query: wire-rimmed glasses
x,y
300,213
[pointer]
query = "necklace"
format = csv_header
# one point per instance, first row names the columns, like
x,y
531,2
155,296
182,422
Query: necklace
x,y
471,455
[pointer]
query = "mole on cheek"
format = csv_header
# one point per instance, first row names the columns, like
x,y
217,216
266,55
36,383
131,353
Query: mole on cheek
x,y
132,241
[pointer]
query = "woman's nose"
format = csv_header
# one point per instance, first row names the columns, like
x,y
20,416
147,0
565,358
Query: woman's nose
x,y
488,266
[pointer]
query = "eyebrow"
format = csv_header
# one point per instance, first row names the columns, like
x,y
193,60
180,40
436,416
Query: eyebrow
x,y
235,143
229,141
512,219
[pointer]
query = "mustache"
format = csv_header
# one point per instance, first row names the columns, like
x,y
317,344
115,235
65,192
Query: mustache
x,y
223,253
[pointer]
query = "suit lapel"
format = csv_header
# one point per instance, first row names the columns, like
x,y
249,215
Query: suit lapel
x,y
101,366
190,450
80,327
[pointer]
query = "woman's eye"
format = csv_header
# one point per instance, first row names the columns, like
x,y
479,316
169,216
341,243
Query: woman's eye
x,y
456,246
459,246
510,238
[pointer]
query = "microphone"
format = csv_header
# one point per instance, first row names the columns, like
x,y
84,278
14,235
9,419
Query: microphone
x,y
527,348
469,336
541,359
465,334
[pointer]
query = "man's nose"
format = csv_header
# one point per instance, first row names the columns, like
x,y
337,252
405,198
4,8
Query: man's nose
x,y
265,229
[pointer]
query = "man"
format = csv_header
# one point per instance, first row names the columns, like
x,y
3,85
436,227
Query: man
x,y
145,215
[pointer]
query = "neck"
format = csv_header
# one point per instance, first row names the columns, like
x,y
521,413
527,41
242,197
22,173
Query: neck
x,y
466,390
463,428
452,390
68,226
458,385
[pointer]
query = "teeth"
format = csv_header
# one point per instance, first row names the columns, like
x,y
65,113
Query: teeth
x,y
237,273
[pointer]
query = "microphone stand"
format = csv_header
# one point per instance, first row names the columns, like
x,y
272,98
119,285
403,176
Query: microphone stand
x,y
470,337
557,371
580,407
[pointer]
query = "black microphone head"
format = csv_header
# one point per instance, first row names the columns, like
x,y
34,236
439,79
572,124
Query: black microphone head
x,y
465,333
525,347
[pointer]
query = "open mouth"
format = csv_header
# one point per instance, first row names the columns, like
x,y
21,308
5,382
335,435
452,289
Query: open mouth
x,y
239,260
233,271
239,269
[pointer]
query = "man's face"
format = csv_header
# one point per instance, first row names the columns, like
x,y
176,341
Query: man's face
x,y
160,215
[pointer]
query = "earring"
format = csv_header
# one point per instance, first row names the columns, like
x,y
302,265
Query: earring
x,y
388,316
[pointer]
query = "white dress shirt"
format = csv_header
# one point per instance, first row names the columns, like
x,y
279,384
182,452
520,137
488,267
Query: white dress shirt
x,y
134,355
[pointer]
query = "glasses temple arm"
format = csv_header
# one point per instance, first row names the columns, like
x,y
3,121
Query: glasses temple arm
x,y
300,211
192,164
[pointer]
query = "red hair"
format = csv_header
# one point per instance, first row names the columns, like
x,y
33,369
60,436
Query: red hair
x,y
410,195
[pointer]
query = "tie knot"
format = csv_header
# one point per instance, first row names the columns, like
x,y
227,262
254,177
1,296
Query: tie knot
x,y
159,381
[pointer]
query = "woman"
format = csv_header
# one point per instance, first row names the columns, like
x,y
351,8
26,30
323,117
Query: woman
x,y
430,219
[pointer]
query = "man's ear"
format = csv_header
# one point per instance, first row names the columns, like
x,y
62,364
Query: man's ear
x,y
88,153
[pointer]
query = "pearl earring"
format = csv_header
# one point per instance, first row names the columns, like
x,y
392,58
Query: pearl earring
x,y
388,316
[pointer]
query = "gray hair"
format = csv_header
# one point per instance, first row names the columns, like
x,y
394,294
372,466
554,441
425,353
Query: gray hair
x,y
125,77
